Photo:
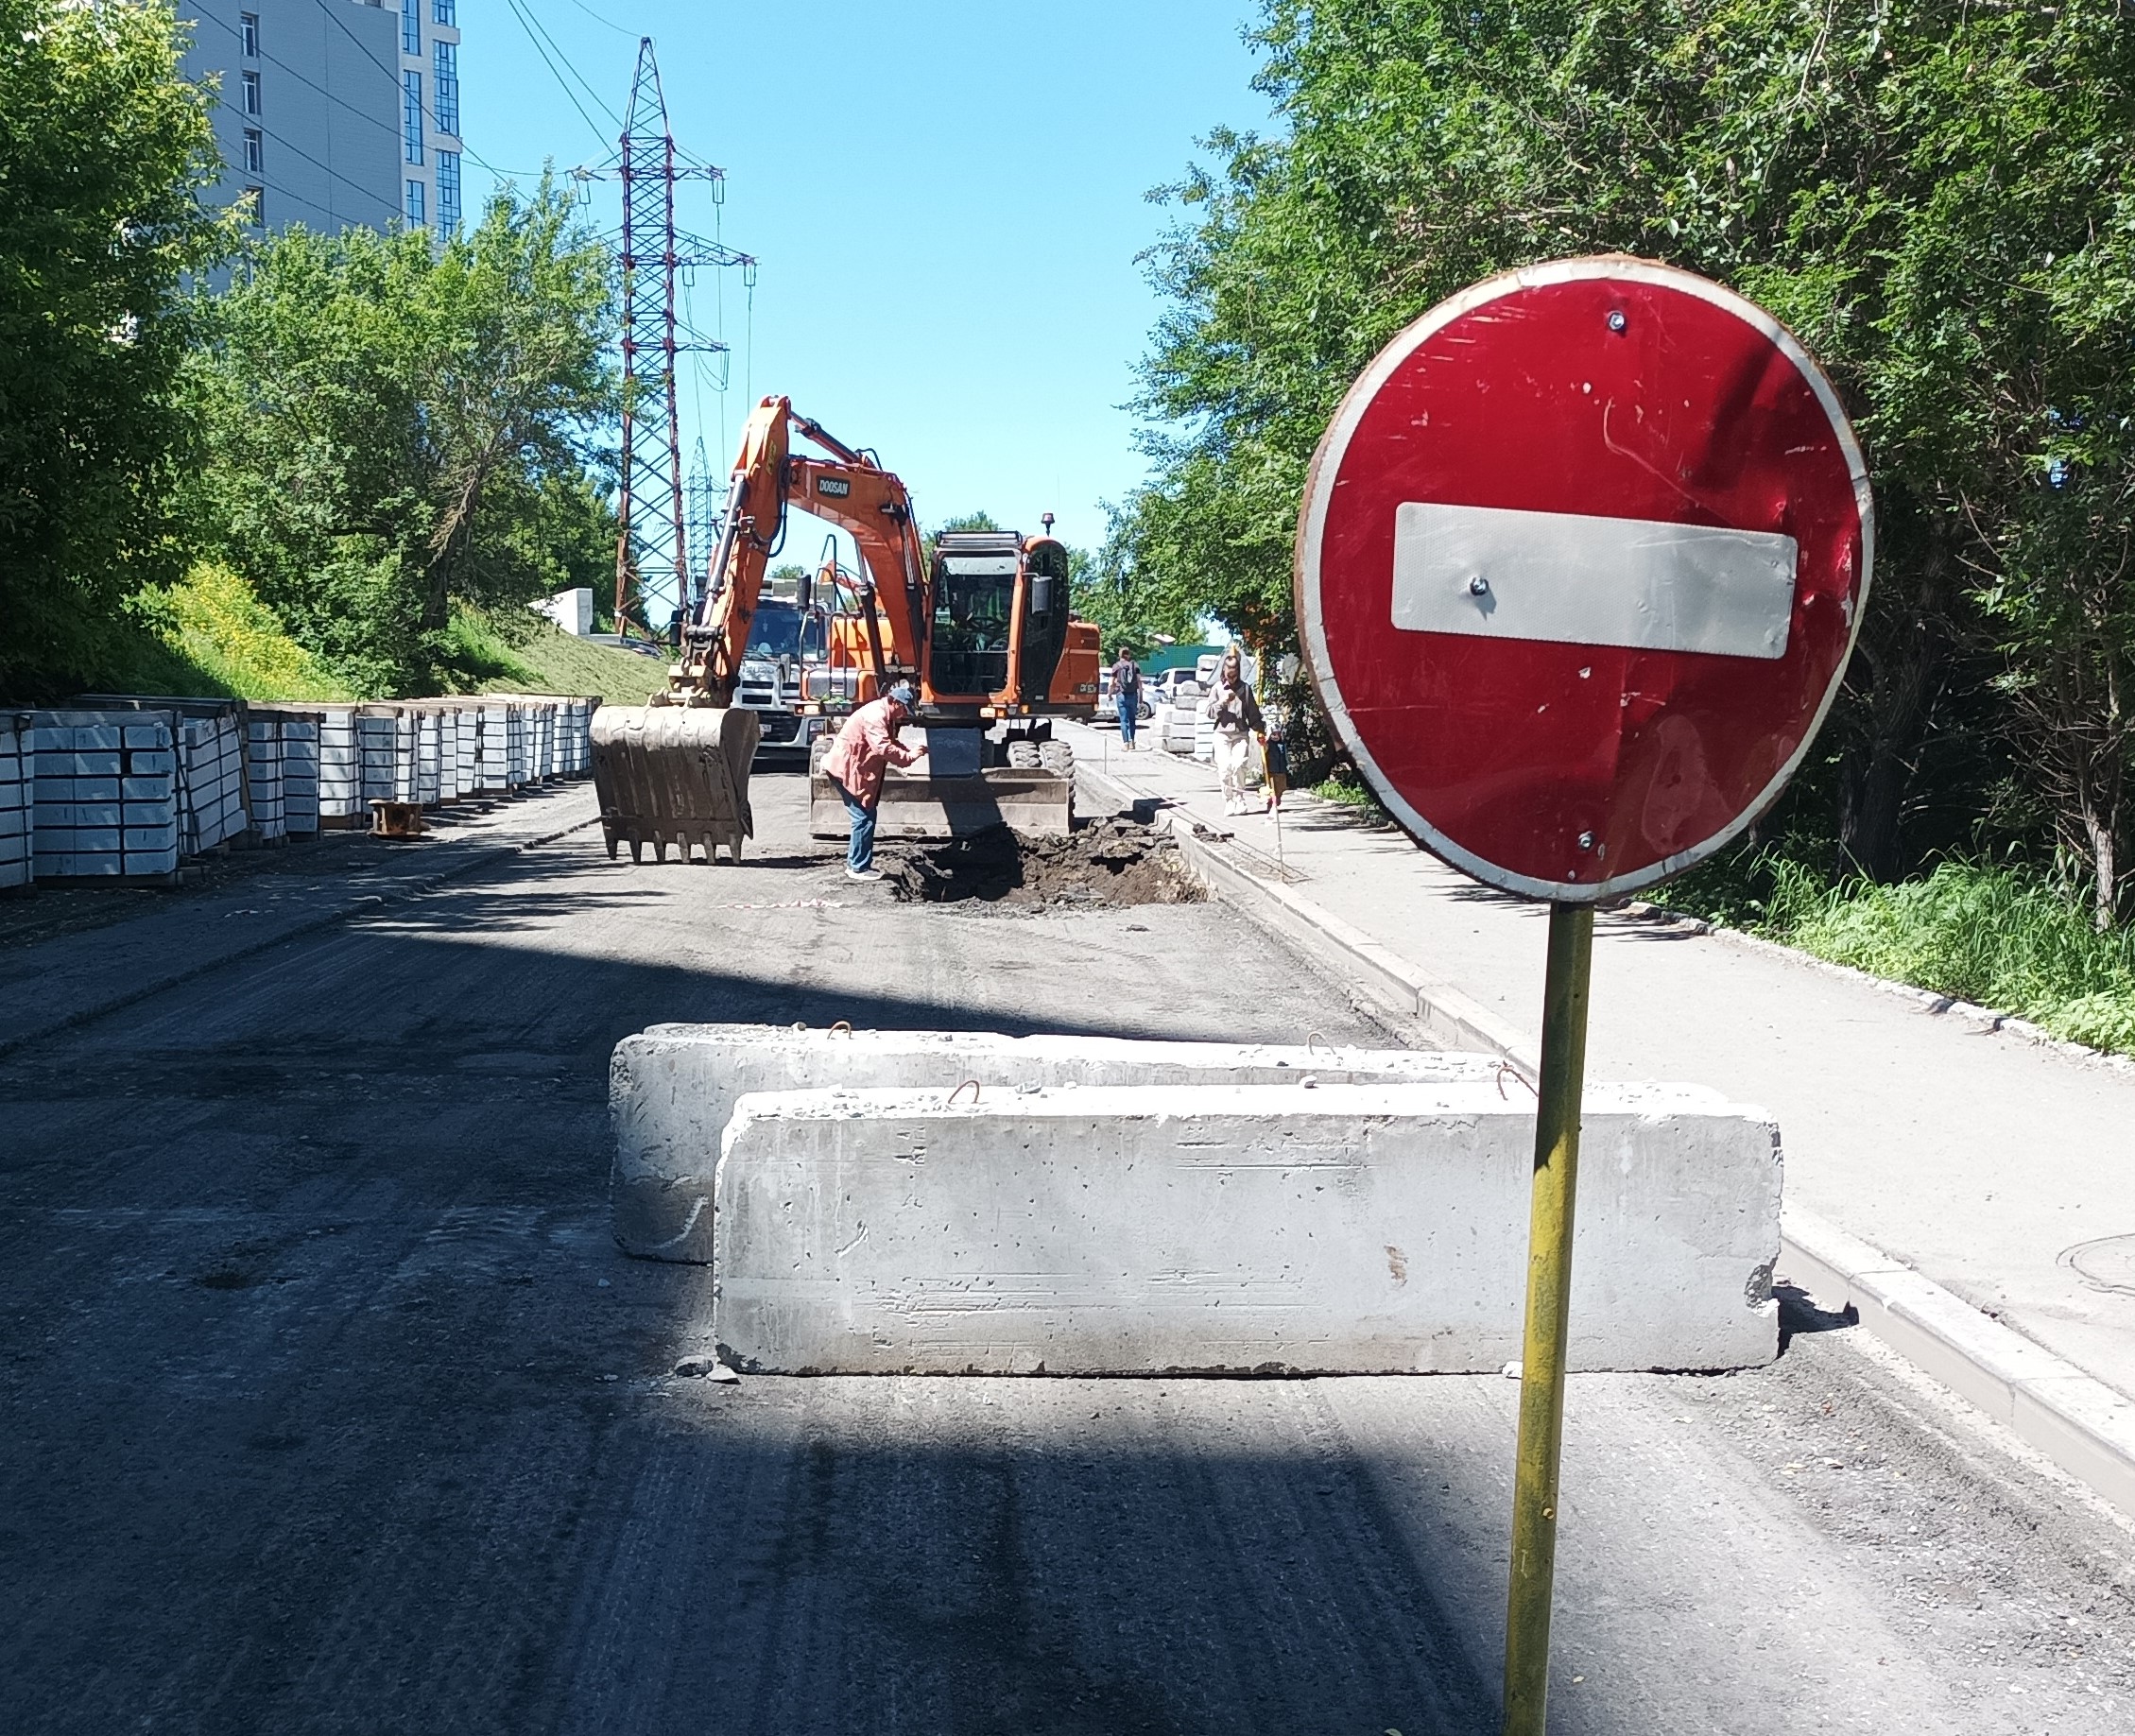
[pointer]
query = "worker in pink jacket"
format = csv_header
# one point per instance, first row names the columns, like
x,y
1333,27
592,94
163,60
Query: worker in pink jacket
x,y
861,756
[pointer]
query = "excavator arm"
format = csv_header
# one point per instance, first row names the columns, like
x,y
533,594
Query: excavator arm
x,y
846,488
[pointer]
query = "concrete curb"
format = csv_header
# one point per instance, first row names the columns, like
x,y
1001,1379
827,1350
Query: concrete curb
x,y
2075,1420
2078,1421
47,1021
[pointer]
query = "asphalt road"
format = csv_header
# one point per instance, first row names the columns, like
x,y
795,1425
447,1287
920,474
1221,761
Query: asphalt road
x,y
327,1405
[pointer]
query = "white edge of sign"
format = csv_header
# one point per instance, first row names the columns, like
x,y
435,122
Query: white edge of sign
x,y
1312,524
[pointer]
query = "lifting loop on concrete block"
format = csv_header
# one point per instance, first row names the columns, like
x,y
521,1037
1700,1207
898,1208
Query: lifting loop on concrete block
x,y
844,1026
1314,1041
958,1092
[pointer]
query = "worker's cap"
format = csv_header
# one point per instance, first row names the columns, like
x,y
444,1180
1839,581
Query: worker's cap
x,y
905,694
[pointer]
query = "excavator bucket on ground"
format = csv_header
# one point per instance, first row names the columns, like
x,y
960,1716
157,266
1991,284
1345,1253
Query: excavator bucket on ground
x,y
675,774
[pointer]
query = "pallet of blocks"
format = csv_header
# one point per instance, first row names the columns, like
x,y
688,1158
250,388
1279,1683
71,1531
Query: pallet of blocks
x,y
263,777
211,781
340,770
105,795
16,774
296,735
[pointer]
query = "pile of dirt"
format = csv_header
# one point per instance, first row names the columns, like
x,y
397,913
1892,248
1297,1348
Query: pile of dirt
x,y
1106,863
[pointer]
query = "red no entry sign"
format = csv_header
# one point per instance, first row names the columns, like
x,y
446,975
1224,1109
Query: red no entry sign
x,y
1581,559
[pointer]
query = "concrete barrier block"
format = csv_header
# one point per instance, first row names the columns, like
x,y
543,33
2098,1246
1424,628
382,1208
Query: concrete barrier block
x,y
672,1089
1343,1229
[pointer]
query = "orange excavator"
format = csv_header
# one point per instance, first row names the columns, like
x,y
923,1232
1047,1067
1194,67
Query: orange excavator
x,y
982,629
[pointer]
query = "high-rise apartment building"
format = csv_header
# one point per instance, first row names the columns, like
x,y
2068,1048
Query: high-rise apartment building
x,y
333,112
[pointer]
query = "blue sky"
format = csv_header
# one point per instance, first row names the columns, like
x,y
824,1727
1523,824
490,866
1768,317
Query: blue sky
x,y
946,199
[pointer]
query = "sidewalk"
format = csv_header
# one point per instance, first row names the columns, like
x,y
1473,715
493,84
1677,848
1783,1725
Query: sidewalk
x,y
2001,1169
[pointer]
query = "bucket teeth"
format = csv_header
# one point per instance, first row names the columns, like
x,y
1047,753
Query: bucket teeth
x,y
675,775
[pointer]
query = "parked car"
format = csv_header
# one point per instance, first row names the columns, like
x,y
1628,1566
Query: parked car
x,y
1175,687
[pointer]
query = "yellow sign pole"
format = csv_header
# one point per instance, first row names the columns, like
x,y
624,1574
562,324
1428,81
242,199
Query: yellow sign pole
x,y
1549,1297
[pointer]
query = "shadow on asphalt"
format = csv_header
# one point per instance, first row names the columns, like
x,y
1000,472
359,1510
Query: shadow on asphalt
x,y
332,1407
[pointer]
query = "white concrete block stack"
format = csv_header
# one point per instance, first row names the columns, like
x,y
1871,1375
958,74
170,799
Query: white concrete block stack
x,y
467,751
262,776
340,768
1204,738
519,739
429,756
377,735
300,771
544,740
18,772
577,739
105,804
492,754
210,781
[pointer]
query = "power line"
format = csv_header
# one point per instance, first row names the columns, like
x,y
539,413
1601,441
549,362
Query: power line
x,y
535,35
607,24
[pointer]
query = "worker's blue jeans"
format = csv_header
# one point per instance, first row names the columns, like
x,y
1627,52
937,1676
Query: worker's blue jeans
x,y
860,852
1127,709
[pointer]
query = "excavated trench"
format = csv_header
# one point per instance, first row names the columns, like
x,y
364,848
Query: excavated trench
x,y
1102,863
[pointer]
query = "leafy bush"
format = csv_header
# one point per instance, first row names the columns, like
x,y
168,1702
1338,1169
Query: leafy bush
x,y
215,622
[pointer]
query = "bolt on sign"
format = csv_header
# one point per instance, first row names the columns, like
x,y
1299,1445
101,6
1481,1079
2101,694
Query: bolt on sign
x,y
1580,565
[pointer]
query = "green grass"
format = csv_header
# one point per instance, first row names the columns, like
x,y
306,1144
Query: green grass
x,y
1349,790
2004,938
481,659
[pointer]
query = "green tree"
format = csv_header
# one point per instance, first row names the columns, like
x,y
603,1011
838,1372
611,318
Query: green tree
x,y
1934,195
397,424
103,150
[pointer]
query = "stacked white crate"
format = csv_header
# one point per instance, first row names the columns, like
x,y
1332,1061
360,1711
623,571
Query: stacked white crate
x,y
377,735
467,779
262,776
105,800
300,770
1204,738
492,754
210,781
544,741
18,772
581,735
340,767
429,756
516,735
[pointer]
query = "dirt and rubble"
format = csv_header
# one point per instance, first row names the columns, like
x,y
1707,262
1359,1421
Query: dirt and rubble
x,y
1112,862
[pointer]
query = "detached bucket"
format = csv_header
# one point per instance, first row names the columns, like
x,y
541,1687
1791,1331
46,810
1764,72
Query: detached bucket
x,y
675,774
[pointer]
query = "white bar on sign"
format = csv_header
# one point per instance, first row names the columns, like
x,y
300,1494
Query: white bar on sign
x,y
1573,578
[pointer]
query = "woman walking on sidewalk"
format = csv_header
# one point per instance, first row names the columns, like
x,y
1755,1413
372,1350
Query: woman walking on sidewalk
x,y
860,758
1231,706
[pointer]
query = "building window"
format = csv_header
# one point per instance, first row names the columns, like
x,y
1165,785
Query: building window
x,y
414,205
255,152
412,27
444,12
446,59
248,84
249,28
411,117
254,201
448,189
